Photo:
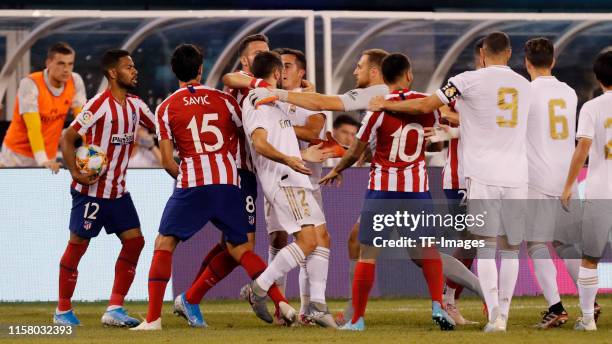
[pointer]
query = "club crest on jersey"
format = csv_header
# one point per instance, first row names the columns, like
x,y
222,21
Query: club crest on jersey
x,y
122,139
251,220
87,225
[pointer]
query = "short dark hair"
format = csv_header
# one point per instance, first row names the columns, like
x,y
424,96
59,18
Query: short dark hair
x,y
496,43
540,52
393,66
111,58
345,119
59,48
478,45
375,56
186,61
603,68
299,55
265,63
260,37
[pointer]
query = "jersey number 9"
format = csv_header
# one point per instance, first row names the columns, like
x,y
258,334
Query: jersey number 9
x,y
504,105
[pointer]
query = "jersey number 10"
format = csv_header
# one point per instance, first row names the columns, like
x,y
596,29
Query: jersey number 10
x,y
398,148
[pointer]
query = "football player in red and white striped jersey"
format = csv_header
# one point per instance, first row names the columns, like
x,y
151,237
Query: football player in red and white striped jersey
x,y
397,172
109,121
201,122
238,85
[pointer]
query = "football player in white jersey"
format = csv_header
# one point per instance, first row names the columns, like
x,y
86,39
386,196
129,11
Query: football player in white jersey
x,y
494,103
308,126
369,83
550,144
595,141
284,178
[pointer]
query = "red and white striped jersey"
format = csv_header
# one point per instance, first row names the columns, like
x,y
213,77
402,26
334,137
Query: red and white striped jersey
x,y
452,173
398,161
107,124
243,155
202,121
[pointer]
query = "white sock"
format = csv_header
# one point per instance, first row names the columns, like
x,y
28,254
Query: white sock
x,y
282,281
286,260
508,274
449,295
546,273
487,276
317,266
304,288
588,282
113,307
57,311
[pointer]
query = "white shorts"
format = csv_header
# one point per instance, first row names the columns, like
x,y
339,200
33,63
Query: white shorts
x,y
543,212
596,227
8,158
292,208
503,209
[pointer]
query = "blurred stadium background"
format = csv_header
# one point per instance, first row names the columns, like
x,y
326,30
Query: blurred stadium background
x,y
437,36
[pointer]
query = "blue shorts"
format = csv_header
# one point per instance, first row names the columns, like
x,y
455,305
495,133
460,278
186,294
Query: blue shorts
x,y
456,200
248,188
380,203
90,214
188,210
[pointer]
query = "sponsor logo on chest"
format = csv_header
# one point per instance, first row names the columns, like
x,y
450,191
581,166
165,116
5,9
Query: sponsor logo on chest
x,y
122,139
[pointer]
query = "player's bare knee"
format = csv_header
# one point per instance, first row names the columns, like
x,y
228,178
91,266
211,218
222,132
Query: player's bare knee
x,y
307,239
368,253
166,243
590,262
278,239
323,237
77,239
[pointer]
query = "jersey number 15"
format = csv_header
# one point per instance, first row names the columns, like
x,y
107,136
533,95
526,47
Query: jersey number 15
x,y
206,128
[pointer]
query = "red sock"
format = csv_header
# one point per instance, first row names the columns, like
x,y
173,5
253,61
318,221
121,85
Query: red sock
x,y
218,248
125,269
219,267
68,273
254,266
432,270
159,275
363,281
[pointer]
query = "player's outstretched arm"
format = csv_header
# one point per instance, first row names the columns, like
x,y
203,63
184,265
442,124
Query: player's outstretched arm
x,y
67,142
311,100
351,156
241,80
166,147
419,106
578,159
263,147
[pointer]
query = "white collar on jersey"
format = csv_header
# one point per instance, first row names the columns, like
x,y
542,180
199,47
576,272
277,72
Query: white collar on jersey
x,y
498,66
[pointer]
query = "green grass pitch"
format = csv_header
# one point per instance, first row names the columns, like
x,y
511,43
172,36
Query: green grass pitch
x,y
387,321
